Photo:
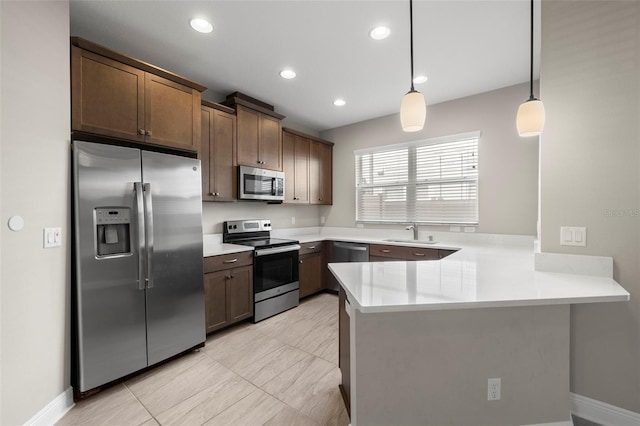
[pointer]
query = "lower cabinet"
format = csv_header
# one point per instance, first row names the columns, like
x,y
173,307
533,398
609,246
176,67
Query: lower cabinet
x,y
386,253
228,290
311,268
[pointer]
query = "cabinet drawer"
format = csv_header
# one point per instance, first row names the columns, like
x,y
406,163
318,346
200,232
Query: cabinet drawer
x,y
226,261
401,252
313,247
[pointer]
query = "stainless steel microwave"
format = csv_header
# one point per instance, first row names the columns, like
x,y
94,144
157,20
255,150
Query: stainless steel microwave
x,y
260,184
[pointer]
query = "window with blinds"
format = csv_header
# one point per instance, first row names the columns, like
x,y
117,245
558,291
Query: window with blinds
x,y
433,181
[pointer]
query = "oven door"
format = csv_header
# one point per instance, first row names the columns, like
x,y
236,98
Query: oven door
x,y
275,271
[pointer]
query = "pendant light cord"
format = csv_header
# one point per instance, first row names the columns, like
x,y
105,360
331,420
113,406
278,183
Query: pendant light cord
x,y
531,97
411,41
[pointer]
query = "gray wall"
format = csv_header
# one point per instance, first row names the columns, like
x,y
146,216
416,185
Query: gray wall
x,y
35,184
589,171
508,170
435,372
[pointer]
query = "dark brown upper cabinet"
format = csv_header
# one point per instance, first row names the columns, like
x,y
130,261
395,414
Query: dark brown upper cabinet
x,y
295,160
308,168
259,132
219,171
118,96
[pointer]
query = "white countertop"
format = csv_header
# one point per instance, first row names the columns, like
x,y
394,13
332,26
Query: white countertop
x,y
213,246
477,276
486,271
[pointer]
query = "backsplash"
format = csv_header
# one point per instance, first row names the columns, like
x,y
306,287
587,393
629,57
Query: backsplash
x,y
213,214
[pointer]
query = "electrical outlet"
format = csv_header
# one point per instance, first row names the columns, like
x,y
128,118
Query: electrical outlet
x,y
293,220
469,229
454,228
322,220
493,389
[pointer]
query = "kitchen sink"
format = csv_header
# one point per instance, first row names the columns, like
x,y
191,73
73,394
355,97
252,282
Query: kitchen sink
x,y
391,240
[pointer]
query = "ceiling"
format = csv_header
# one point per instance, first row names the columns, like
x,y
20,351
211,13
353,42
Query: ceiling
x,y
464,47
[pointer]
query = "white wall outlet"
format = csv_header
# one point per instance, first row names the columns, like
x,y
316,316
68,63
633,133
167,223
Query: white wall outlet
x,y
493,389
322,220
52,237
293,220
469,229
573,236
454,228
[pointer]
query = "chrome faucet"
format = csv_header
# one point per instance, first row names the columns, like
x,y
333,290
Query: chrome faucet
x,y
414,227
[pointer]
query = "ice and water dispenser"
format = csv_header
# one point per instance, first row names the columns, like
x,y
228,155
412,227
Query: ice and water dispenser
x,y
113,228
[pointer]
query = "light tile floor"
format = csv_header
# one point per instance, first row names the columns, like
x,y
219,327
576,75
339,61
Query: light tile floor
x,y
281,371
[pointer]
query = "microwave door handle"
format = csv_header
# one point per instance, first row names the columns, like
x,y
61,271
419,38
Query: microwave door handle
x,y
274,183
140,225
148,210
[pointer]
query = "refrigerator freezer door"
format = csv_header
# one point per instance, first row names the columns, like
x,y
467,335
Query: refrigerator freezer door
x,y
175,296
109,306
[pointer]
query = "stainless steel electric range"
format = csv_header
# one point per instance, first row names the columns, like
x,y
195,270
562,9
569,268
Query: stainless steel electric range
x,y
275,266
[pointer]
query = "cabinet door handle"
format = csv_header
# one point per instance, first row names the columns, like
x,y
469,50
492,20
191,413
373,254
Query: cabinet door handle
x,y
230,261
418,254
319,199
141,132
300,261
385,251
311,247
148,132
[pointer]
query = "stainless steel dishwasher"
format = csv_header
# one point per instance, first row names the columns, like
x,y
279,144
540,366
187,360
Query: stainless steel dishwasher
x,y
348,252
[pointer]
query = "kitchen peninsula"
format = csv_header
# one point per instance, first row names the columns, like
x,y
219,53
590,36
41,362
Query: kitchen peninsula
x,y
419,340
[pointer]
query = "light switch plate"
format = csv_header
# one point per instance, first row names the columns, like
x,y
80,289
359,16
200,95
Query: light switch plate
x,y
573,236
52,237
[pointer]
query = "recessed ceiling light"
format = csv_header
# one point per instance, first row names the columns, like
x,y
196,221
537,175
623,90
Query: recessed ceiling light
x,y
288,74
339,102
420,79
201,25
380,33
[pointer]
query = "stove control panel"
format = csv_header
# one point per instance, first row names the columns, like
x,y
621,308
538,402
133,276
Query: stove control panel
x,y
243,226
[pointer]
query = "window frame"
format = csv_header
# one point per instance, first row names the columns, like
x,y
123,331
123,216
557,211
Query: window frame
x,y
412,186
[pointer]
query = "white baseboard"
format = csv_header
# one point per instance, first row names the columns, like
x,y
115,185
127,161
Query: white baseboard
x,y
54,410
601,412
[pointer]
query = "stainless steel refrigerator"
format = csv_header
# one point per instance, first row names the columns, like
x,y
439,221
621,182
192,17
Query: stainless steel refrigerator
x,y
137,293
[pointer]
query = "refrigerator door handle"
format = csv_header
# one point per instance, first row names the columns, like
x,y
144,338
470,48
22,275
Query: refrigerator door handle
x,y
138,190
148,210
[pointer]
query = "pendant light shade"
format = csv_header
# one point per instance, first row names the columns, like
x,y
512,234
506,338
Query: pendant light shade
x,y
531,116
530,121
413,110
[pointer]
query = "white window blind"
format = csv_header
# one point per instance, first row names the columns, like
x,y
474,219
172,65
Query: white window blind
x,y
430,181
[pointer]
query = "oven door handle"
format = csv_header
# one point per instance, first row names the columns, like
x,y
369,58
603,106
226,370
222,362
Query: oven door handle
x,y
274,250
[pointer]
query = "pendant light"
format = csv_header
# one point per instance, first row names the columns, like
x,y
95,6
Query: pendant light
x,y
530,120
413,110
